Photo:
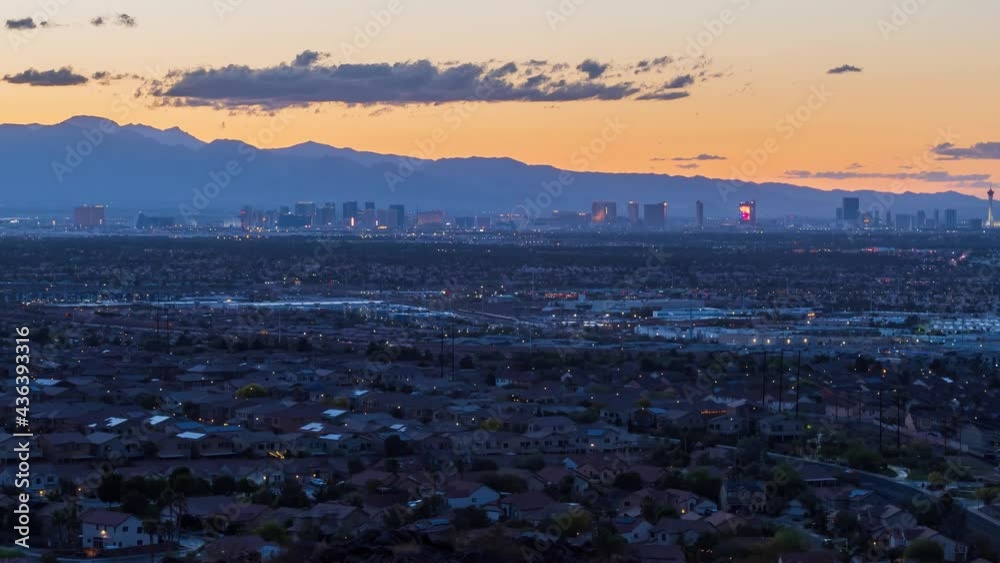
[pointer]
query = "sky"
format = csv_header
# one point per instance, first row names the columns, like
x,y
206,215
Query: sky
x,y
894,95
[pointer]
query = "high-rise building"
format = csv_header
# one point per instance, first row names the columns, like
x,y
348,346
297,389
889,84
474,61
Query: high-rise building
x,y
369,219
350,213
921,219
852,209
748,213
633,212
246,217
328,214
699,214
430,218
305,209
397,216
604,212
146,222
990,222
951,219
88,216
655,215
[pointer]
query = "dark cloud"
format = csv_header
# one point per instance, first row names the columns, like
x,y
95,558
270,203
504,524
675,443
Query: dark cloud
x,y
844,69
509,68
97,21
979,151
664,96
23,23
688,166
592,68
702,156
308,79
125,20
414,82
929,176
62,77
535,81
682,81
652,64
307,58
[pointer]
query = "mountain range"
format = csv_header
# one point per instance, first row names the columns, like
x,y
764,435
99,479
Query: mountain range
x,y
130,167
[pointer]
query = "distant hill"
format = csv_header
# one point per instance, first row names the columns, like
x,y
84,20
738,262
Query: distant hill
x,y
92,160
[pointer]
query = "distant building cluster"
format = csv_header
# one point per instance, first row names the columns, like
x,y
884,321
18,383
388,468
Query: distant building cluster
x,y
880,216
853,213
88,216
352,215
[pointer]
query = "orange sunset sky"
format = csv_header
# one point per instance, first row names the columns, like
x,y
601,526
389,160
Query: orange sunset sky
x,y
901,78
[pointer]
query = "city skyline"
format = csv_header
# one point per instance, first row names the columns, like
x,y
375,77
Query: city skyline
x,y
728,89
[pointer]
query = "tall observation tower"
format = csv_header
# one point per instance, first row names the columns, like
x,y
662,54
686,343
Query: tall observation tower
x,y
990,223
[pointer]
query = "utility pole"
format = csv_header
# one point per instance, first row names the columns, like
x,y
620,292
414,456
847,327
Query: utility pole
x,y
798,387
763,383
880,427
781,378
899,421
441,355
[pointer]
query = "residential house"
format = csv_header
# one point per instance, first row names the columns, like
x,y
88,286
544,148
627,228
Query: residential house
x,y
105,530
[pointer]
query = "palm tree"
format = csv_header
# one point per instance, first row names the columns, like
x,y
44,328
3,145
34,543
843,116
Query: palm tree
x,y
59,520
151,527
168,528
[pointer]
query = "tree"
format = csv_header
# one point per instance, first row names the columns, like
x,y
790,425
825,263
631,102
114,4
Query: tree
x,y
937,480
252,391
292,495
629,481
924,550
110,489
167,529
392,466
273,532
396,447
355,466
987,495
863,458
134,503
223,485
789,539
470,518
152,527
531,463
608,543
